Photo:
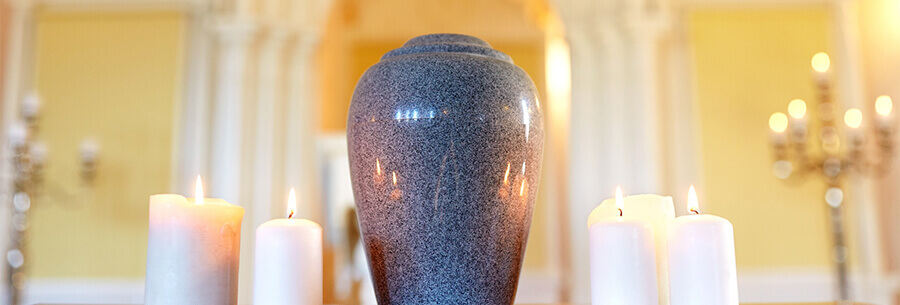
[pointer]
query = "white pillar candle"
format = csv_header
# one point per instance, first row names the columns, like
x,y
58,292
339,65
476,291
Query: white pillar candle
x,y
193,250
623,263
655,211
701,259
288,261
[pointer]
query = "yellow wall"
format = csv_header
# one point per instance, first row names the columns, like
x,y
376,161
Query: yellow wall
x,y
113,77
749,64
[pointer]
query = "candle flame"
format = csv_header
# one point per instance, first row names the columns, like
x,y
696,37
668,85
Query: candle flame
x,y
292,203
377,166
778,122
522,189
821,62
506,175
620,202
853,118
797,108
394,174
198,191
693,204
884,105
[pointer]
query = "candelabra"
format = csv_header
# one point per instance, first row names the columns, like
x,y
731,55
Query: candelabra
x,y
836,157
27,163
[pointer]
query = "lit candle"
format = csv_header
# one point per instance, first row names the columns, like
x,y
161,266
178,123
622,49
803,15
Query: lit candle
x,y
193,250
288,261
797,112
623,259
820,63
701,259
853,118
884,108
778,123
655,211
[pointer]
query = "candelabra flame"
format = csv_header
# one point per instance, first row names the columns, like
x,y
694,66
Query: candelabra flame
x,y
778,122
797,108
884,105
853,118
821,62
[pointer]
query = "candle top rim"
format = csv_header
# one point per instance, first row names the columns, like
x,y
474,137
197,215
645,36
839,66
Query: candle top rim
x,y
618,221
598,213
291,222
177,199
690,216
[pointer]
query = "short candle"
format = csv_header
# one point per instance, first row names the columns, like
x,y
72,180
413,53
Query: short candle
x,y
702,268
193,249
623,260
288,260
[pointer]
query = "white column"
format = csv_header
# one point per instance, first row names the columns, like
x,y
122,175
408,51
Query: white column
x,y
302,127
227,130
870,287
268,191
614,135
227,137
585,153
192,130
643,103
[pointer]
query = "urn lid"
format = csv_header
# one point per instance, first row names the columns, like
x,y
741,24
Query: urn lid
x,y
447,43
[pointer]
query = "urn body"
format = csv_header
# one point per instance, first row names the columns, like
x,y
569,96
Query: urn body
x,y
445,136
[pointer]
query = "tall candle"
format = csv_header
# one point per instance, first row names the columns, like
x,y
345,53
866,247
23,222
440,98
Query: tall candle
x,y
623,263
701,259
288,261
655,211
193,250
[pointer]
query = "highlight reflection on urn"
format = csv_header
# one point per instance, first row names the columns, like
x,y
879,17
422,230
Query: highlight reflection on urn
x,y
441,121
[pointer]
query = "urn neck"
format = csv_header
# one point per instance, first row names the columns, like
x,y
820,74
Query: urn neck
x,y
448,43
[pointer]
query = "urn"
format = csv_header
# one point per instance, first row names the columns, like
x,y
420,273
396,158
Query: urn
x,y
445,137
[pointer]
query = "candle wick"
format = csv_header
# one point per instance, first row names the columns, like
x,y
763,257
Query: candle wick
x,y
291,215
620,212
695,211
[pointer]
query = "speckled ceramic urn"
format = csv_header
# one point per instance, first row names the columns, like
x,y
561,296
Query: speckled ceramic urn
x,y
445,137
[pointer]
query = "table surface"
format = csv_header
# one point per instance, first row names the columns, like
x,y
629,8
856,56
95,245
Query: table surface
x,y
832,303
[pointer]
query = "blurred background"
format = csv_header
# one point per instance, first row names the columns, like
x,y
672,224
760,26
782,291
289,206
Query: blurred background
x,y
105,102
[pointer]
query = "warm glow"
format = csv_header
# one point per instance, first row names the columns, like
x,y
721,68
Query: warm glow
x,y
693,205
198,191
821,62
292,203
377,166
558,67
522,189
620,202
884,105
506,176
797,108
853,118
778,122
394,175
